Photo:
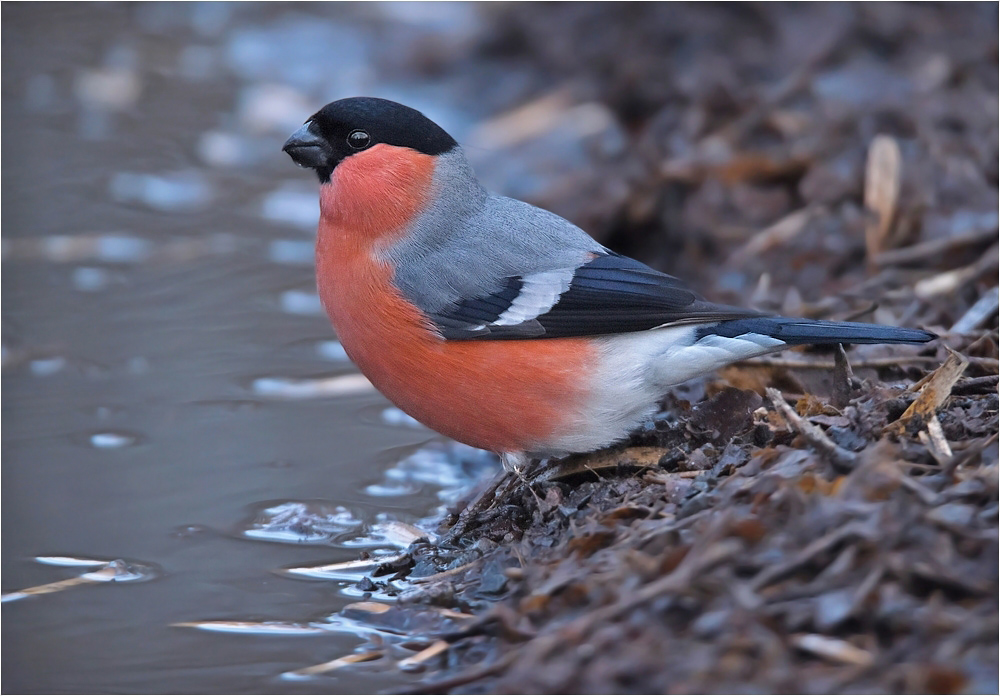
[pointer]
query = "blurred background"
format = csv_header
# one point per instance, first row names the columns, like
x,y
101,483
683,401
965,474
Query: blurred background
x,y
174,397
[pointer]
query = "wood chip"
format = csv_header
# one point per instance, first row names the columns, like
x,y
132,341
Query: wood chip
x,y
833,649
332,665
984,308
882,185
933,394
602,459
425,655
403,534
935,442
368,607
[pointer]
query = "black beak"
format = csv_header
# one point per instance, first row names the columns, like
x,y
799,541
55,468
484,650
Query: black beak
x,y
306,148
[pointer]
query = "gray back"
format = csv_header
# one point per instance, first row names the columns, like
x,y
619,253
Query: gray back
x,y
469,241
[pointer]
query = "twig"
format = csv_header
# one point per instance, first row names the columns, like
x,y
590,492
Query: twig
x,y
935,442
842,459
777,571
926,495
331,665
105,574
781,232
445,685
984,307
950,281
793,364
971,451
428,653
933,394
833,649
934,248
445,573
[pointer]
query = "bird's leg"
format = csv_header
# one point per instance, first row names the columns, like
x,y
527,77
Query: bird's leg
x,y
514,466
519,464
515,463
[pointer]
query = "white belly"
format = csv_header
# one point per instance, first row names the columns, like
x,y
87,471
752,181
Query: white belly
x,y
636,369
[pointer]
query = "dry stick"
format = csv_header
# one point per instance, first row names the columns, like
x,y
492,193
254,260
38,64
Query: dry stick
x,y
344,661
833,649
428,653
933,394
445,685
953,280
105,574
841,458
969,452
934,248
831,365
985,307
446,573
936,443
777,571
781,232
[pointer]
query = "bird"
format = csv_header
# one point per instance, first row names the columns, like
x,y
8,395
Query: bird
x,y
497,323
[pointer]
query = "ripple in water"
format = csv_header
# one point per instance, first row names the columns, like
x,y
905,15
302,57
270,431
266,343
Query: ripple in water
x,y
301,303
321,387
113,440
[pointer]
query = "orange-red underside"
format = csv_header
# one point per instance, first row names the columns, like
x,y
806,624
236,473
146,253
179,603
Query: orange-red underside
x,y
504,396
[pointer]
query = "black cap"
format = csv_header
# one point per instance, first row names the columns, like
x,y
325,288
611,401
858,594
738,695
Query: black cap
x,y
345,127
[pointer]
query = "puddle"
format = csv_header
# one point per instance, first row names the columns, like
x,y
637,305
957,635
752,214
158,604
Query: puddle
x,y
159,292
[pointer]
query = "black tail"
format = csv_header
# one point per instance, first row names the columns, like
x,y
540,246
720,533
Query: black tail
x,y
813,332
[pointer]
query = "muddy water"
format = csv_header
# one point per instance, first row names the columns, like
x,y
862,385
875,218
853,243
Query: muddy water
x,y
167,371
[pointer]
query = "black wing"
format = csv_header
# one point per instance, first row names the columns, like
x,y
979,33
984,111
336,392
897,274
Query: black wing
x,y
610,294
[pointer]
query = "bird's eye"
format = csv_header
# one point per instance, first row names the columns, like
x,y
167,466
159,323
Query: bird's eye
x,y
358,139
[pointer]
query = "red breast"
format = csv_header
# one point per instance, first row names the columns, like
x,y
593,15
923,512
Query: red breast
x,y
504,396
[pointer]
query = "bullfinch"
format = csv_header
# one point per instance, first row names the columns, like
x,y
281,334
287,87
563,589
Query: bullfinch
x,y
496,323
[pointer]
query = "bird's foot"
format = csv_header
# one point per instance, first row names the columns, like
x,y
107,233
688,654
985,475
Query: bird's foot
x,y
516,467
